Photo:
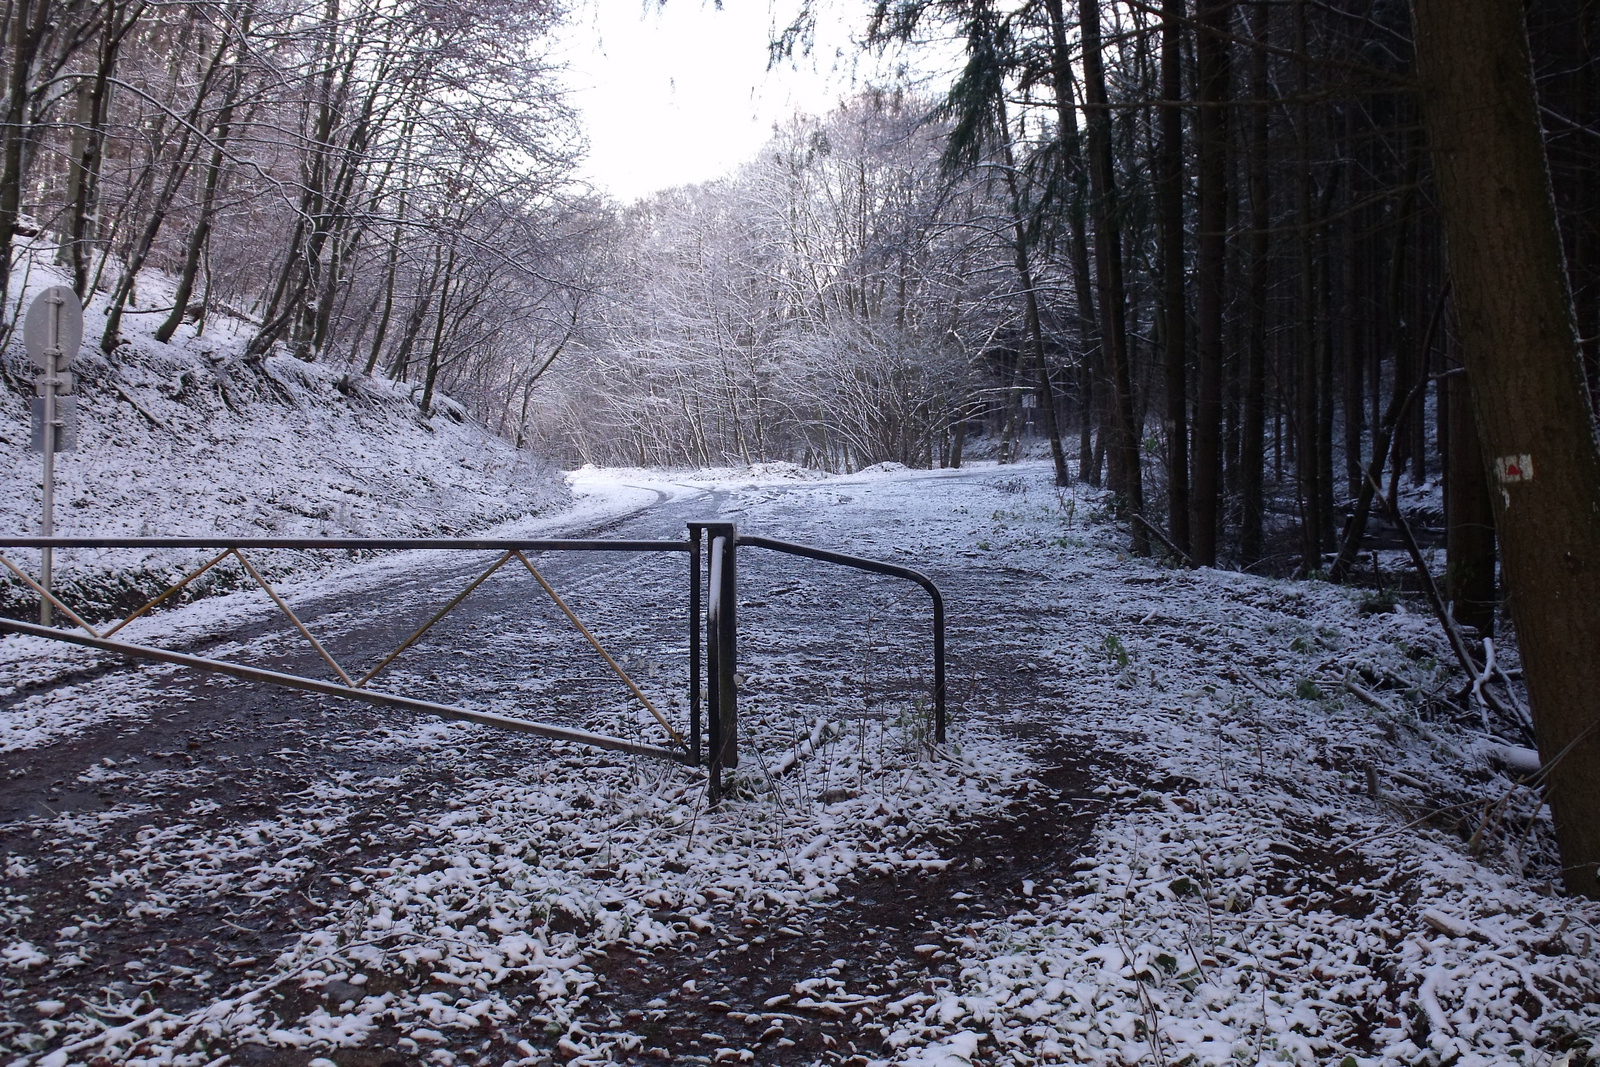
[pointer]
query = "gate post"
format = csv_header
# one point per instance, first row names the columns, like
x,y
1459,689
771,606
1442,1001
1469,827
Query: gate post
x,y
694,644
722,690
728,655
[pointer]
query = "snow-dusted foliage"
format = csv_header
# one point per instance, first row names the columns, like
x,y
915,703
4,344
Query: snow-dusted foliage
x,y
835,303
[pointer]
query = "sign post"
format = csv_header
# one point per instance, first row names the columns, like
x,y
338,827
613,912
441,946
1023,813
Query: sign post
x,y
52,333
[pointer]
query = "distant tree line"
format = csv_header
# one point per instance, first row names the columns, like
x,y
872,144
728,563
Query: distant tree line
x,y
828,304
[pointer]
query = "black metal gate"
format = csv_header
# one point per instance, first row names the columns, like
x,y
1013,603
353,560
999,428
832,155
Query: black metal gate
x,y
712,550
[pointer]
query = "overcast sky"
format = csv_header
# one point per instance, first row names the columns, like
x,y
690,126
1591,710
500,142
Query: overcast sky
x,y
681,93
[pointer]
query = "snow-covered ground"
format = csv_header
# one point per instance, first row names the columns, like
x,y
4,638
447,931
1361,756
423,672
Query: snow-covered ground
x,y
1273,869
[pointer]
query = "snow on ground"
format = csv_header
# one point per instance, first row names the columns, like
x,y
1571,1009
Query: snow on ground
x,y
1282,872
1256,899
191,439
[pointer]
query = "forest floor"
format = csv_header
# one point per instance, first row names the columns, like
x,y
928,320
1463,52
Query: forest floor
x,y
1164,828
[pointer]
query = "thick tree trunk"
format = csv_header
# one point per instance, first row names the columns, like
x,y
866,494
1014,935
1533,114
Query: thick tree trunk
x,y
1077,236
1174,321
1108,264
197,237
30,21
1324,360
1308,381
1088,458
201,233
1585,261
1469,515
435,350
391,267
1399,322
1307,378
1047,395
1252,449
1352,350
1520,346
1030,304
183,160
400,366
1211,57
77,151
83,230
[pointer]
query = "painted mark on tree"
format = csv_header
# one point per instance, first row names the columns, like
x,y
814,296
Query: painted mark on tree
x,y
1514,468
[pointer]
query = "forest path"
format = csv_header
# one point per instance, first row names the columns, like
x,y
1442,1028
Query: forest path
x,y
247,811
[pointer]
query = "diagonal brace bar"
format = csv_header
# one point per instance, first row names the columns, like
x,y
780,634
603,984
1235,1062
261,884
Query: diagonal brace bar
x,y
298,625
316,685
620,673
172,590
42,591
425,627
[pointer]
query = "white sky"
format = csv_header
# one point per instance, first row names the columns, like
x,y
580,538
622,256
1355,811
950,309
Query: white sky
x,y
679,93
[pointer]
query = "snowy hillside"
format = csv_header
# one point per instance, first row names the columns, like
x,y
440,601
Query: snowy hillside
x,y
191,439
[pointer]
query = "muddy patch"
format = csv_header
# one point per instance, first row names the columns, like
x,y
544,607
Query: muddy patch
x,y
825,985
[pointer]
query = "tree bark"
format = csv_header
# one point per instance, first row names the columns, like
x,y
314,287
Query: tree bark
x,y
1352,331
1030,302
82,229
30,24
1108,263
1077,236
202,228
1520,346
1211,57
182,161
1252,456
435,349
1174,320
392,266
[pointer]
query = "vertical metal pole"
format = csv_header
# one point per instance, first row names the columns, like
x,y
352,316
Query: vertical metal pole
x,y
714,693
938,667
694,644
52,359
728,658
722,690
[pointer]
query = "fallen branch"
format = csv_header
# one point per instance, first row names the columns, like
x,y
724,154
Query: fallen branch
x,y
1366,696
222,1009
1174,549
108,1036
820,733
1482,676
141,409
1450,926
1430,591
1524,761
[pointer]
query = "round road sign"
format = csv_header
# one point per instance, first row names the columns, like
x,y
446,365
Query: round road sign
x,y
61,304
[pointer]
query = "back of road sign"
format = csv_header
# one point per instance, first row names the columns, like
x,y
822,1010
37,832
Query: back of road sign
x,y
62,302
66,424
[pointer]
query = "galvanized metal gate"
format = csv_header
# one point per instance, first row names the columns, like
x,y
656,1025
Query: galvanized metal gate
x,y
711,548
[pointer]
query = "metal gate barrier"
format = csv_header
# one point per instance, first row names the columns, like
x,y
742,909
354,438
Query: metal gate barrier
x,y
713,638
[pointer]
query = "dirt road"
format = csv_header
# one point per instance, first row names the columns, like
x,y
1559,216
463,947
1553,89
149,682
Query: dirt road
x,y
166,856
